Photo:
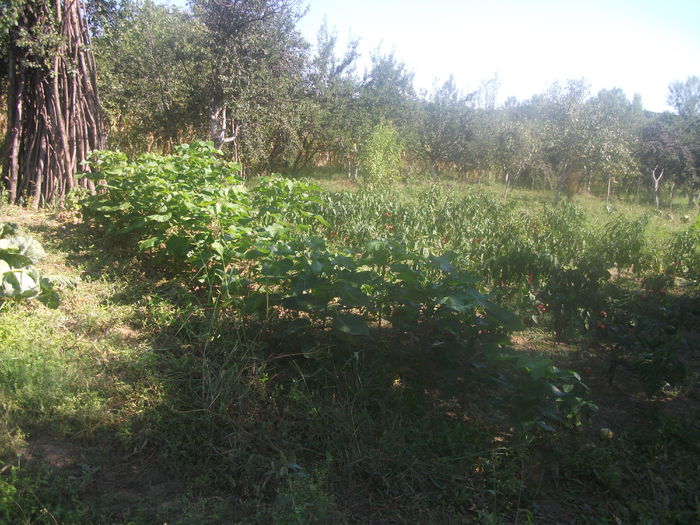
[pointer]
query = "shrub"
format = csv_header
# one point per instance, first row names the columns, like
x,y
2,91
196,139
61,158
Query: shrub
x,y
381,157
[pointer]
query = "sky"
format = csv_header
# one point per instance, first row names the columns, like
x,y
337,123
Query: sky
x,y
640,46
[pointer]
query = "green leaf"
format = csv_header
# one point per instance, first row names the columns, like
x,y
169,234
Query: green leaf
x,y
275,229
177,247
149,243
297,325
20,283
21,251
351,324
9,229
165,217
556,391
456,303
323,221
49,296
538,367
505,318
544,426
218,248
120,207
316,267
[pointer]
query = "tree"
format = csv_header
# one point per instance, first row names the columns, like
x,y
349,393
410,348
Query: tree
x,y
386,92
385,95
664,155
562,131
253,72
515,148
580,136
150,65
329,118
54,114
611,121
684,97
446,125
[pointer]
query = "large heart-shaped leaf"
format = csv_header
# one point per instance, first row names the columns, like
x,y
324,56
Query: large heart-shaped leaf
x,y
351,324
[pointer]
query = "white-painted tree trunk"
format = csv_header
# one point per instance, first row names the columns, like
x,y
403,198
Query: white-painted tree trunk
x,y
217,122
657,183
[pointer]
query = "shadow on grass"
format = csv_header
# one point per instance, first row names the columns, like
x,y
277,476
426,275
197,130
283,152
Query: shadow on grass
x,y
259,426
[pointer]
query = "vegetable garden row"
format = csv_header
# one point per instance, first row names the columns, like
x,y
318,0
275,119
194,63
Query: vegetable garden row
x,y
446,276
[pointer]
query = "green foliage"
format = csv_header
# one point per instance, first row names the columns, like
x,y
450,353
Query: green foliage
x,y
240,71
36,496
381,158
550,263
622,242
191,208
683,254
684,97
19,279
445,129
150,58
304,499
291,370
249,248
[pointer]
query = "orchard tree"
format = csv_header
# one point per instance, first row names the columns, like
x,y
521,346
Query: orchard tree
x,y
445,126
684,97
664,155
329,120
386,92
611,126
516,148
385,96
562,131
255,58
150,66
54,114
581,137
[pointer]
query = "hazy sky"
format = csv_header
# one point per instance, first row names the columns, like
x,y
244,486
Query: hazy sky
x,y
638,45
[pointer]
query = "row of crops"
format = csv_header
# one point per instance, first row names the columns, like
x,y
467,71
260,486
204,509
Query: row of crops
x,y
438,277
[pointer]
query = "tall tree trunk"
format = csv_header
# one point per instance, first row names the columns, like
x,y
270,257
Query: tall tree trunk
x,y
14,133
54,113
218,125
657,182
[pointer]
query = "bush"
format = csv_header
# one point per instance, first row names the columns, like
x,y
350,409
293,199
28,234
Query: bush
x,y
381,157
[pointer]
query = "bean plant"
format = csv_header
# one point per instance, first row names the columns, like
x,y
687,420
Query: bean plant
x,y
254,249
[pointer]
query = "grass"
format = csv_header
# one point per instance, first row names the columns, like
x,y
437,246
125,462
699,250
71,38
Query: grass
x,y
132,403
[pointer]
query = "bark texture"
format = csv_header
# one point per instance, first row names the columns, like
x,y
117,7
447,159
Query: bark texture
x,y
54,114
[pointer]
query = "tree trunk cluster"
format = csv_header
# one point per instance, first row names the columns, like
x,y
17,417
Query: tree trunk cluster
x,y
54,114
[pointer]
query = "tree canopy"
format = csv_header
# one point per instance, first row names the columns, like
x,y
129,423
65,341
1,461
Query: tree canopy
x,y
239,73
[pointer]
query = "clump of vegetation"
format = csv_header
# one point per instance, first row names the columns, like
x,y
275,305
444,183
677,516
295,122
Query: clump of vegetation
x,y
286,376
253,260
381,158
19,278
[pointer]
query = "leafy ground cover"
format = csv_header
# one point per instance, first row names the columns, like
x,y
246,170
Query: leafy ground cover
x,y
253,372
